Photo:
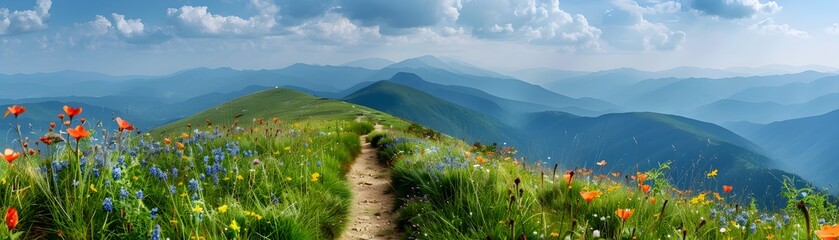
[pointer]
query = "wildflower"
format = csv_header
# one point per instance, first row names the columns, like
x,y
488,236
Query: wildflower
x,y
78,132
601,163
72,111
645,188
481,160
193,185
712,173
184,136
10,155
652,200
139,194
108,205
167,141
624,213
155,233
554,235
197,208
93,188
590,195
153,213
181,146
595,233
616,174
171,189
116,173
826,233
315,177
641,177
61,116
722,230
467,154
11,218
234,226
223,208
240,177
14,110
727,188
124,125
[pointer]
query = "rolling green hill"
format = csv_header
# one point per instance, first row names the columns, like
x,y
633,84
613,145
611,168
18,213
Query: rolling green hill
x,y
286,104
425,109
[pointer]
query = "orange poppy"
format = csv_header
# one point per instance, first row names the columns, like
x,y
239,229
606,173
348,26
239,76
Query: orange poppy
x,y
72,111
78,133
727,188
601,163
14,110
616,174
61,116
167,141
10,155
124,125
11,218
83,120
641,177
181,146
624,214
276,120
467,154
67,123
652,200
590,195
828,232
645,188
481,160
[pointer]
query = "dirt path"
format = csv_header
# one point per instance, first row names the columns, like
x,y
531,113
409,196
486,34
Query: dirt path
x,y
370,212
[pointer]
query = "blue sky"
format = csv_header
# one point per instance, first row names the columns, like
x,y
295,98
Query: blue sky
x,y
164,36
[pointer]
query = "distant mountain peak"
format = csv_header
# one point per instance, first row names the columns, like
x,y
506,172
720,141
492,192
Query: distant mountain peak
x,y
406,77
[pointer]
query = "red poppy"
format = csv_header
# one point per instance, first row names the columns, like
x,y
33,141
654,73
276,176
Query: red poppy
x,y
624,214
124,125
641,177
10,155
72,111
727,188
46,140
61,116
11,218
78,133
14,110
590,195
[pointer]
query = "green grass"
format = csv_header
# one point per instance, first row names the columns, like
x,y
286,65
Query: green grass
x,y
446,195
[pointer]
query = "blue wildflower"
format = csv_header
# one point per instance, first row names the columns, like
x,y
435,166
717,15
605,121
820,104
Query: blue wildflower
x,y
174,172
139,194
155,233
117,173
171,189
193,185
108,205
153,213
123,194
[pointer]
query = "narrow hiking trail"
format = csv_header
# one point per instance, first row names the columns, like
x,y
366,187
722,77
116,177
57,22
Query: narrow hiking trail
x,y
370,211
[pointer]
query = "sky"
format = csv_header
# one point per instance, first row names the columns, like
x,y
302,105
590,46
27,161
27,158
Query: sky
x,y
154,37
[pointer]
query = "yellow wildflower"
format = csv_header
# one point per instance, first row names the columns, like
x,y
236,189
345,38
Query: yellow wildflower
x,y
713,173
197,209
234,225
239,177
93,188
287,148
135,178
288,179
554,235
315,177
223,208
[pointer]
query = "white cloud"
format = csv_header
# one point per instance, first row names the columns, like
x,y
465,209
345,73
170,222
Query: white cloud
x,y
18,22
134,31
534,21
334,28
197,21
733,9
769,27
100,26
665,7
626,28
833,29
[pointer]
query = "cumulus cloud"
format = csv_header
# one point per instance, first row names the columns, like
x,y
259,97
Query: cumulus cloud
x,y
197,21
665,7
769,27
536,21
733,9
134,31
18,22
393,16
833,29
626,28
335,28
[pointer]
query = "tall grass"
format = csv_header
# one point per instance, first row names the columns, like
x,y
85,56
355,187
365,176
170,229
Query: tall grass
x,y
261,181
